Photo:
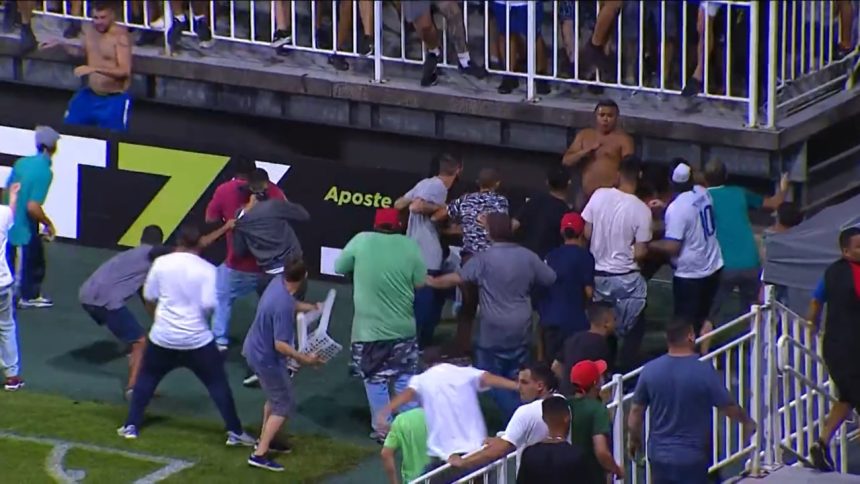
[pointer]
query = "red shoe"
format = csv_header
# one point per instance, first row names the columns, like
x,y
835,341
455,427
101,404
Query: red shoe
x,y
13,383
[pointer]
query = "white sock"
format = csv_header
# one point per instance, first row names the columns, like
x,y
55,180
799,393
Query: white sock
x,y
199,17
436,51
464,59
180,17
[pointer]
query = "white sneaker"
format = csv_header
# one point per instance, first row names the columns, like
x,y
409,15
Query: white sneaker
x,y
157,24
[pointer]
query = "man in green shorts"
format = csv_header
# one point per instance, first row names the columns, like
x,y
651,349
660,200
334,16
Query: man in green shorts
x,y
590,425
408,434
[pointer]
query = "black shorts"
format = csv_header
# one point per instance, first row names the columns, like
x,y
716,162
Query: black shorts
x,y
693,297
846,378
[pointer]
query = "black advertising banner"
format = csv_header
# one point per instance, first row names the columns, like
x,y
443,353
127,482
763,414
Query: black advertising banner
x,y
105,192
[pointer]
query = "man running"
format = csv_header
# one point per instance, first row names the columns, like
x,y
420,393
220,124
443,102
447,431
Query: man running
x,y
105,293
598,151
25,252
181,285
105,102
9,359
840,290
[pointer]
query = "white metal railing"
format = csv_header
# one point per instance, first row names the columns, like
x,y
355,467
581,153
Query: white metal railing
x,y
769,360
654,46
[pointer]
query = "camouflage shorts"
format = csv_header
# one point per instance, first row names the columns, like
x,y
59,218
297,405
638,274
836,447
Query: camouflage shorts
x,y
380,361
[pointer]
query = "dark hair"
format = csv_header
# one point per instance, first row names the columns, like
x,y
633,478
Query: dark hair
x,y
152,235
243,166
788,214
499,227
543,373
598,311
677,330
447,163
568,233
555,408
715,173
606,103
189,236
630,168
431,355
558,178
488,178
158,251
295,269
846,235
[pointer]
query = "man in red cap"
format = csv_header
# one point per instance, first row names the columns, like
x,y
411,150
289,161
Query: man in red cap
x,y
590,423
561,306
386,268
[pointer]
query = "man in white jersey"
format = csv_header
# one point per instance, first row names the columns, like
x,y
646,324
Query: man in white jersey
x,y
691,241
9,360
181,286
618,224
449,397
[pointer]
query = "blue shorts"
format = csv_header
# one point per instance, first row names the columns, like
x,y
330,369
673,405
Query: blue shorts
x,y
121,322
519,17
653,17
86,108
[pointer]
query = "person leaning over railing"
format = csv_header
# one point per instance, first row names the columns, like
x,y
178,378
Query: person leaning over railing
x,y
198,10
516,13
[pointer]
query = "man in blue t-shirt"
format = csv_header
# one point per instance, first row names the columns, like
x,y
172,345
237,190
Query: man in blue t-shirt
x,y
268,346
680,391
561,306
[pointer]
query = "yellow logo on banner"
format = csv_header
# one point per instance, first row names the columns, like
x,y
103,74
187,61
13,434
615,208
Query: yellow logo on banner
x,y
345,197
189,175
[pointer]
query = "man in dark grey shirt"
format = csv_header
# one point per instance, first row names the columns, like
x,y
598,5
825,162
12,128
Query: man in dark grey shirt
x,y
263,229
105,293
505,274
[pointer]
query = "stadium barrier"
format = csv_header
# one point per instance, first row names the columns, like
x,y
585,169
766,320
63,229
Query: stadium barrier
x,y
735,43
768,358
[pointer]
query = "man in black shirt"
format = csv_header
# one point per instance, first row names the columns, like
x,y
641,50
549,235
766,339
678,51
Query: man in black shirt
x,y
840,289
537,223
555,460
586,345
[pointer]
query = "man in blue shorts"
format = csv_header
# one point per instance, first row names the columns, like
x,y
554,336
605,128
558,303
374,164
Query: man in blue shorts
x,y
105,293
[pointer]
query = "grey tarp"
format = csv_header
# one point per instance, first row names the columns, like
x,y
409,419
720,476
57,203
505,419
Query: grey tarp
x,y
796,259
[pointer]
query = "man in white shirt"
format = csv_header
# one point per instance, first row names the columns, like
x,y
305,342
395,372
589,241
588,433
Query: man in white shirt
x,y
618,224
9,360
691,241
449,396
181,286
526,426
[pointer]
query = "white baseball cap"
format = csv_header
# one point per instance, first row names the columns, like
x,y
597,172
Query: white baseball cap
x,y
681,174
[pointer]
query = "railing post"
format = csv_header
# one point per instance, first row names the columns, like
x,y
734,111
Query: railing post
x,y
772,40
168,23
618,440
759,394
771,424
377,41
531,57
753,81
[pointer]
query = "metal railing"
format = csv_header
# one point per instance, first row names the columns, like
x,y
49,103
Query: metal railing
x,y
656,46
768,359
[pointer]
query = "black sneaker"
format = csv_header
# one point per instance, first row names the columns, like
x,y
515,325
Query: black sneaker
x,y
594,57
27,40
509,83
820,454
365,45
542,87
324,38
692,88
148,37
473,69
338,62
281,38
73,29
204,33
175,33
429,77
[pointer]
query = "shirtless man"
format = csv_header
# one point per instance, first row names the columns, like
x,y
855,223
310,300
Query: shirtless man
x,y
599,151
105,102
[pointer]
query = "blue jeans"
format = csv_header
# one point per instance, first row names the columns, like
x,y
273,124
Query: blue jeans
x,y
230,284
679,473
428,307
9,362
29,270
505,363
379,394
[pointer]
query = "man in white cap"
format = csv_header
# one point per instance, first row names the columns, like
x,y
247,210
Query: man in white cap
x,y
691,241
34,175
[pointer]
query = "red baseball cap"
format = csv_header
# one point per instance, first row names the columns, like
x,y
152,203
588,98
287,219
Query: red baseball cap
x,y
574,221
389,217
586,373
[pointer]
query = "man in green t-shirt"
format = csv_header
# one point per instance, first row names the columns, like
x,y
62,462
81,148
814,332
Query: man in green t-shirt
x,y
590,425
408,434
386,268
731,204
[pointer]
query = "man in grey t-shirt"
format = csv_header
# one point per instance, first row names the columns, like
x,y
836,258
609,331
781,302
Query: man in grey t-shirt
x,y
104,294
423,200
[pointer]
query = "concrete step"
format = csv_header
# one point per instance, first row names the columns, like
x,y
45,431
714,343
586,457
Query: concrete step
x,y
802,475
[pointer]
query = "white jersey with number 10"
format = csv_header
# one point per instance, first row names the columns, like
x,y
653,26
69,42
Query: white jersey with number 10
x,y
690,220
